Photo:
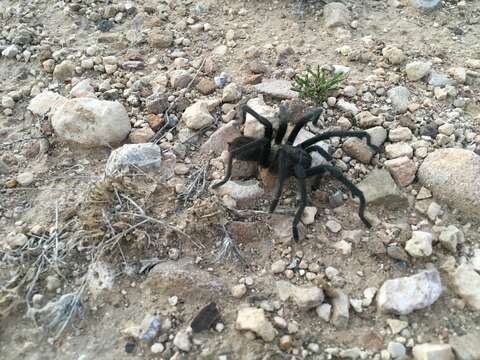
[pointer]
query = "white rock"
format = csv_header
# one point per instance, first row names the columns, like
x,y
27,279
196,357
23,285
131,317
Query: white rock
x,y
420,244
308,216
333,226
8,102
100,277
157,348
396,350
433,352
253,319
434,210
197,116
400,98
83,89
344,247
91,122
340,308
64,70
231,93
406,294
347,107
324,312
279,266
451,237
146,157
306,297
369,294
253,127
397,150
182,341
475,260
11,51
14,240
45,102
238,291
397,325
400,134
25,178
466,282
356,305
241,190
417,70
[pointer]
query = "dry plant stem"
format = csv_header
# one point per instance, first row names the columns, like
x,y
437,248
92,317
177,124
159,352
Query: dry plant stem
x,y
133,203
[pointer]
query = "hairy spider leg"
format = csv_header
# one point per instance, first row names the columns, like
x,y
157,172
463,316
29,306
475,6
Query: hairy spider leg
x,y
231,156
283,124
268,129
300,174
283,165
320,150
330,134
339,176
312,116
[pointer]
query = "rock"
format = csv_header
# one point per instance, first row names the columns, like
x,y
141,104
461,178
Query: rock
x,y
352,354
333,226
157,348
219,140
347,107
91,122
402,169
64,70
231,93
379,187
160,39
418,70
324,312
280,89
317,159
206,86
180,79
254,320
7,102
397,325
252,126
400,99
453,175
45,102
4,169
336,14
475,260
146,157
397,150
420,244
466,347
53,283
440,80
426,4
358,150
11,51
466,282
197,116
25,178
141,136
305,297
182,341
157,103
82,89
396,350
434,211
406,294
285,342
278,266
340,305
14,240
400,134
243,192
393,54
433,352
451,237
308,216
397,252
365,120
378,135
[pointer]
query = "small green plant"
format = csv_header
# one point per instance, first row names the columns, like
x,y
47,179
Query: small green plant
x,y
317,84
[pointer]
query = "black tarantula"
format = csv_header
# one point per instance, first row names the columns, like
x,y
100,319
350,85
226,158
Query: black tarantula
x,y
286,160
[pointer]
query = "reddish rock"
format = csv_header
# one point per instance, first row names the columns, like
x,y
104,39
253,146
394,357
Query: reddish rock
x,y
218,141
402,169
139,136
243,232
155,121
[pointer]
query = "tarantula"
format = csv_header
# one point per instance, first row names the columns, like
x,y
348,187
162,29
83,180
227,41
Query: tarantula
x,y
286,160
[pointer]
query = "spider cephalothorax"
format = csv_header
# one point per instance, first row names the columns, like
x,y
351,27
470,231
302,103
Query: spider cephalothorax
x,y
286,160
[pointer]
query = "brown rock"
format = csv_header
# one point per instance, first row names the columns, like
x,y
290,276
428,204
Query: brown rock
x,y
402,169
243,169
157,104
358,150
206,86
139,136
253,79
218,141
160,39
155,121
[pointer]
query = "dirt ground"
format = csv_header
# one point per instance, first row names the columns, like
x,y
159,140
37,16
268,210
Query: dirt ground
x,y
68,179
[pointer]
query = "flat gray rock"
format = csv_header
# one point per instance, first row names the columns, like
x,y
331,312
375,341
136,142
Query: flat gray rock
x,y
280,89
